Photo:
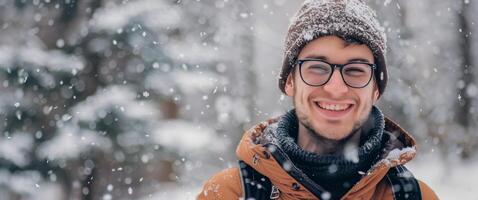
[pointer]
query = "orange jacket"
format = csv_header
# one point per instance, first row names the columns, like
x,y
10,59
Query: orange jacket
x,y
227,184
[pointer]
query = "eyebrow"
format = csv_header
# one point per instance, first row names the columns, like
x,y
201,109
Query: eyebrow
x,y
350,60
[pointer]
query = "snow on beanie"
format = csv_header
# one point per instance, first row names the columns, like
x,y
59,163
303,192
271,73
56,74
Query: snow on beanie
x,y
347,19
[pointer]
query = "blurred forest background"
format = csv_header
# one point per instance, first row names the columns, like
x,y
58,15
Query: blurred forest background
x,y
145,99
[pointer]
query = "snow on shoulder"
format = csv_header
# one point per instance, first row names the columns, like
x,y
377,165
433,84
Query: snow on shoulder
x,y
394,155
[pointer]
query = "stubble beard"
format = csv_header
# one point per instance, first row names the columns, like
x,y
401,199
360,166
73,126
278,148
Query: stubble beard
x,y
304,120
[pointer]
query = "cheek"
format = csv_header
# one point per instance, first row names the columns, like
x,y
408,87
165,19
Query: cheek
x,y
301,98
306,94
366,101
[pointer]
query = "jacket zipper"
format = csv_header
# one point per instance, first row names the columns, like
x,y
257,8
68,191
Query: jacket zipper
x,y
295,172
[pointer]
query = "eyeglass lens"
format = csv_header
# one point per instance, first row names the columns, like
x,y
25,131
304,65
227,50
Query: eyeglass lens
x,y
318,73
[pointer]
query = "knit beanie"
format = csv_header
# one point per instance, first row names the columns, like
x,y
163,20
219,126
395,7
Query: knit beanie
x,y
347,19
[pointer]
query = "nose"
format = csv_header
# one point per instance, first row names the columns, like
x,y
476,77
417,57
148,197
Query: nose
x,y
336,86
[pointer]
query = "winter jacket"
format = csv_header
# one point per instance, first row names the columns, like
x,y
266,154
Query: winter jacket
x,y
373,185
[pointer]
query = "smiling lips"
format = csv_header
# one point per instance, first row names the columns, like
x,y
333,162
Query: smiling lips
x,y
333,111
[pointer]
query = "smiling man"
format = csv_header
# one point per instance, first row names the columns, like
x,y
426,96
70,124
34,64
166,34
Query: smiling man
x,y
334,144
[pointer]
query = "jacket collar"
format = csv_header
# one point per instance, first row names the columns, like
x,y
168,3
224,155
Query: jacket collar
x,y
269,160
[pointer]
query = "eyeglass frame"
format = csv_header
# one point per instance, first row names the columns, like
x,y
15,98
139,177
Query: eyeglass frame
x,y
334,66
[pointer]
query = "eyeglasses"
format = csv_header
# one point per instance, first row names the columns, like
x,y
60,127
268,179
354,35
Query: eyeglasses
x,y
317,72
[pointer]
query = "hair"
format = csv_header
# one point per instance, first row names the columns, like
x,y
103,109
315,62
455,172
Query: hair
x,y
351,40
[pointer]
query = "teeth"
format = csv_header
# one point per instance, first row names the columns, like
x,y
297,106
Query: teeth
x,y
334,107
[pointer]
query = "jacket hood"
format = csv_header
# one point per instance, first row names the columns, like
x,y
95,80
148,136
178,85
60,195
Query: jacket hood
x,y
261,153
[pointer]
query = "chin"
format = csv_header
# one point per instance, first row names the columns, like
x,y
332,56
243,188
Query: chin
x,y
334,132
334,135
331,130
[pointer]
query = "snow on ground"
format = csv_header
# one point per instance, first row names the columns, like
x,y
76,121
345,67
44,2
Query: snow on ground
x,y
450,181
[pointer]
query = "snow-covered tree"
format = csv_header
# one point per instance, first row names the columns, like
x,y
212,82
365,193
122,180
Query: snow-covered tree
x,y
108,99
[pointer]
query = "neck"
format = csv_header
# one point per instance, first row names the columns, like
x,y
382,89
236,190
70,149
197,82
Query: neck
x,y
311,141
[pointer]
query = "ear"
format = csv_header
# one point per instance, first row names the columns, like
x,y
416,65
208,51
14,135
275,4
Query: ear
x,y
289,85
376,94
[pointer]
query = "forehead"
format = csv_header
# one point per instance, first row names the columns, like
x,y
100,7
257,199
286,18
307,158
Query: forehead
x,y
335,49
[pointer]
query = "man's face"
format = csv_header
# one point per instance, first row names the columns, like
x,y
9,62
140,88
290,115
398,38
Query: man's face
x,y
316,106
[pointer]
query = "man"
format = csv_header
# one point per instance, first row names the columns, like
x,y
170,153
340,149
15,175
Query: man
x,y
334,144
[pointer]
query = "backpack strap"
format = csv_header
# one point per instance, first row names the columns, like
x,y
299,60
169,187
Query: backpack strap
x,y
254,184
404,185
